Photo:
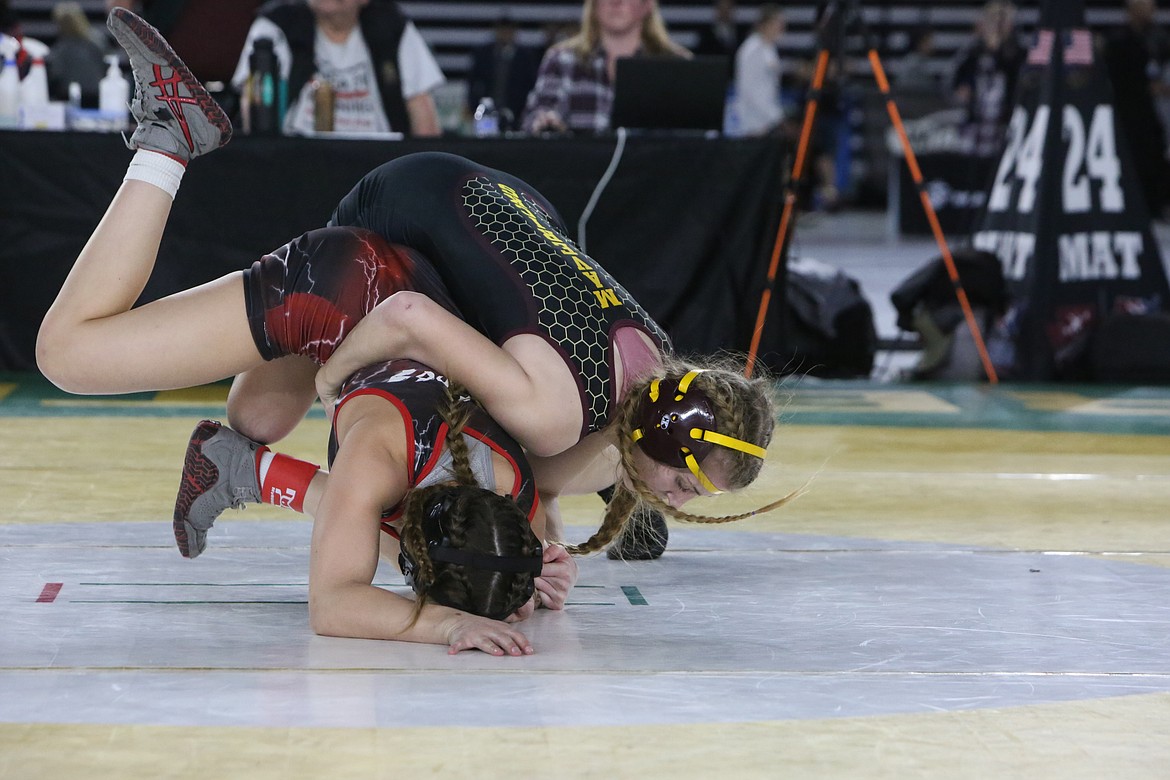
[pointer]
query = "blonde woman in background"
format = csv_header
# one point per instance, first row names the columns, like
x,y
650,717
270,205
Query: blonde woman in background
x,y
76,55
574,85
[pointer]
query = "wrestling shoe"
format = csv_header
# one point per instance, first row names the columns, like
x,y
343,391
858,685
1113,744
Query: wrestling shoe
x,y
643,538
219,472
175,114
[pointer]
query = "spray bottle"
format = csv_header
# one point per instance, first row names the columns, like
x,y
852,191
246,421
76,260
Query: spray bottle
x,y
9,85
34,90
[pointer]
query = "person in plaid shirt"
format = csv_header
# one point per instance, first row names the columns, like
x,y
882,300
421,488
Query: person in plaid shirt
x,y
574,86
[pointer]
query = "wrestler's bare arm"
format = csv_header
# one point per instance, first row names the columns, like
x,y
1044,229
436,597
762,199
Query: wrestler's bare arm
x,y
527,388
590,465
367,476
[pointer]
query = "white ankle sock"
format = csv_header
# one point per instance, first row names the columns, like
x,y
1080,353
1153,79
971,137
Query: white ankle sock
x,y
265,462
158,169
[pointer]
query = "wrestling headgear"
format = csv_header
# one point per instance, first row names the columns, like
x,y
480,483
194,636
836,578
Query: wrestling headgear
x,y
676,426
440,551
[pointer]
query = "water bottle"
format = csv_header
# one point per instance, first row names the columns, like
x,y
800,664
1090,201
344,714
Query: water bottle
x,y
487,119
324,103
264,89
731,125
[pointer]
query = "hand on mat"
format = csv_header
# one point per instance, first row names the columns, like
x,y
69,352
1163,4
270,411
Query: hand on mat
x,y
494,637
527,610
556,579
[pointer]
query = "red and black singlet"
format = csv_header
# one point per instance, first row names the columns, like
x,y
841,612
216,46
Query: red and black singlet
x,y
419,393
304,297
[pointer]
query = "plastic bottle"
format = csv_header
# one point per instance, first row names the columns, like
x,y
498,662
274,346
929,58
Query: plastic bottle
x,y
487,119
323,105
114,92
264,88
73,107
731,125
9,87
34,90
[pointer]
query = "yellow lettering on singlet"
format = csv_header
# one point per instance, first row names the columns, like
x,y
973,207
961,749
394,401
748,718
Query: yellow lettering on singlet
x,y
606,297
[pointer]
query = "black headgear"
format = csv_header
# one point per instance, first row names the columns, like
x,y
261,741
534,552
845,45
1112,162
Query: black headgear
x,y
676,426
440,551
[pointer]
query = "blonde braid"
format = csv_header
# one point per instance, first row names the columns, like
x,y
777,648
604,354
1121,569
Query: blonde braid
x,y
687,517
623,502
621,505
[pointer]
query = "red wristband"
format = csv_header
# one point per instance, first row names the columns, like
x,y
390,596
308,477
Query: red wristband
x,y
287,481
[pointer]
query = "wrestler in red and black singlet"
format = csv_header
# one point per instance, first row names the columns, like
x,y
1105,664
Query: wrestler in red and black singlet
x,y
419,393
303,298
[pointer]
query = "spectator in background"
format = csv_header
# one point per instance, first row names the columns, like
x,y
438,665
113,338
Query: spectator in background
x,y
722,37
757,75
913,73
574,85
830,148
984,81
503,70
381,69
555,32
1134,57
207,34
75,57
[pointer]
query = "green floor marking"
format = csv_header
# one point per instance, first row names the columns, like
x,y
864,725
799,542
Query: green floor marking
x,y
1108,409
634,595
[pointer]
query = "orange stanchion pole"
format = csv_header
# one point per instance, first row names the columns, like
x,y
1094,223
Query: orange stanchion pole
x,y
912,161
786,217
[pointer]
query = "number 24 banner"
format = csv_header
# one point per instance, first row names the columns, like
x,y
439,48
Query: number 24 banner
x,y
1065,212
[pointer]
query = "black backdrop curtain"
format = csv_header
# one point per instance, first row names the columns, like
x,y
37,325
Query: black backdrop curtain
x,y
686,225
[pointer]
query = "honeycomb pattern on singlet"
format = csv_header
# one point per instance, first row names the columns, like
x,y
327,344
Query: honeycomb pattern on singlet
x,y
576,306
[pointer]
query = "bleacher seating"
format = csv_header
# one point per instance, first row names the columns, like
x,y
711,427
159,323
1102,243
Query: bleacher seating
x,y
453,28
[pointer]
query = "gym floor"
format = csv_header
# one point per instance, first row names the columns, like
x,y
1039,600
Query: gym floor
x,y
975,584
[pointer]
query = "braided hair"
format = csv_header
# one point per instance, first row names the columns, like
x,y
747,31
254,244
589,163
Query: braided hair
x,y
744,409
477,520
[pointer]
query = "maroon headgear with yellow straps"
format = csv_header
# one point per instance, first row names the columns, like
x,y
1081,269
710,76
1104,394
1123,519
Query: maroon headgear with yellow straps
x,y
676,426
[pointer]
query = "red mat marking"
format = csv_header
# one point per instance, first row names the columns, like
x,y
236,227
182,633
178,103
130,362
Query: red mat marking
x,y
49,592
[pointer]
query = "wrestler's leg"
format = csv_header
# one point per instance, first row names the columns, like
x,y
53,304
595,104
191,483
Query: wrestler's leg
x,y
92,341
268,401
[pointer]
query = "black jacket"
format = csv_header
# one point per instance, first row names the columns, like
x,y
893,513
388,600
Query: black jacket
x,y
382,25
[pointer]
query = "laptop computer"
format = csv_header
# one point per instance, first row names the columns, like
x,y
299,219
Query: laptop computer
x,y
670,94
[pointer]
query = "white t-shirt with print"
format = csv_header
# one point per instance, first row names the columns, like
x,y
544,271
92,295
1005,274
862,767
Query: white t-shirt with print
x,y
349,68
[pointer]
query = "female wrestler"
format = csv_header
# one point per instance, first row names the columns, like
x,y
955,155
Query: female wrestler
x,y
546,324
298,301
